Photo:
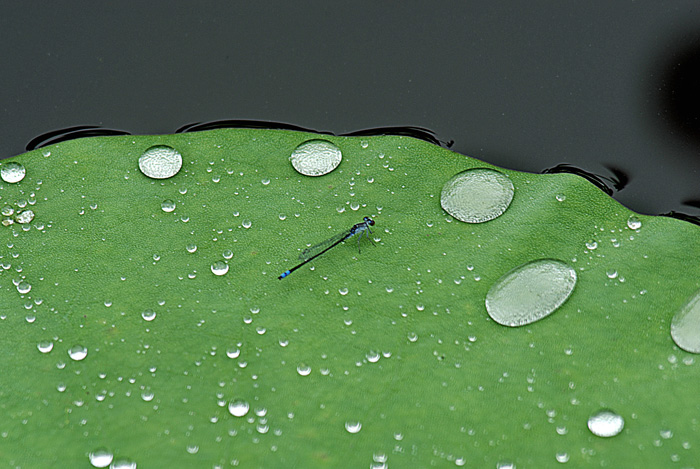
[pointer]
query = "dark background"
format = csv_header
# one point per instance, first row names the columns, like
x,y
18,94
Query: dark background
x,y
522,84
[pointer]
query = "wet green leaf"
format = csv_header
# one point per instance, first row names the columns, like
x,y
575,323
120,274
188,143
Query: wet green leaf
x,y
355,360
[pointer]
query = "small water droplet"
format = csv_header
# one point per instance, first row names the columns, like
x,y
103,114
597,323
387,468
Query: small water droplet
x,y
148,315
123,464
228,254
45,346
530,292
101,457
24,287
685,325
77,352
238,407
612,273
605,423
316,157
560,197
8,211
192,449
160,162
219,268
233,352
247,224
412,336
167,205
353,426
12,172
477,195
303,370
191,248
634,223
592,245
562,457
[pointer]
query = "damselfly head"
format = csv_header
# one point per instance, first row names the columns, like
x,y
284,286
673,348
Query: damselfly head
x,y
369,221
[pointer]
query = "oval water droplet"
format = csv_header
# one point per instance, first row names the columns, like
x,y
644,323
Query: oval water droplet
x,y
24,287
160,162
353,426
530,292
24,217
101,457
634,223
605,423
219,268
45,346
477,195
77,352
167,205
12,172
685,325
238,407
316,158
303,369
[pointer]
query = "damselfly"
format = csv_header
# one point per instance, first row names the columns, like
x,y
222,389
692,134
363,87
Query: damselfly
x,y
309,254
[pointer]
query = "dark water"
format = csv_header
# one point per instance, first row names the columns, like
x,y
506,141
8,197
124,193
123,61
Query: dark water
x,y
608,87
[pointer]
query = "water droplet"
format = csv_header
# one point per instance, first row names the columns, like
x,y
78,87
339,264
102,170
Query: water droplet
x,y
316,158
123,464
303,370
562,457
685,325
605,423
77,352
8,211
530,292
167,205
592,245
191,248
372,356
219,268
353,426
233,352
238,408
228,254
148,315
192,449
12,172
45,346
634,223
477,195
25,217
160,162
101,457
24,287
612,273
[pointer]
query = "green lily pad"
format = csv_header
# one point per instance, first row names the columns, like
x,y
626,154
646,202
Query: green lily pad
x,y
125,339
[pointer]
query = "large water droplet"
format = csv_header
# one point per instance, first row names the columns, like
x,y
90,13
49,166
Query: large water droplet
x,y
530,292
316,158
685,326
148,315
24,217
238,408
219,268
45,346
12,172
477,195
101,458
160,162
353,426
634,223
77,352
605,423
167,205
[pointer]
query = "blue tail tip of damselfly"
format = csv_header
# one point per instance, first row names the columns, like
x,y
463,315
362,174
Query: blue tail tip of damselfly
x,y
284,275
